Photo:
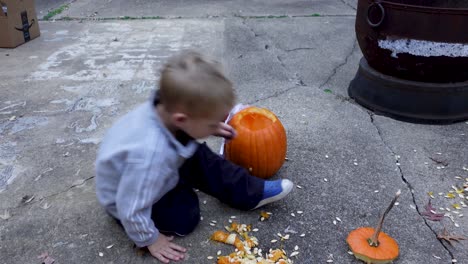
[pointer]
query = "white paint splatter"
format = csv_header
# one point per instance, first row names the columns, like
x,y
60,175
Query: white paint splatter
x,y
136,55
29,122
424,48
94,141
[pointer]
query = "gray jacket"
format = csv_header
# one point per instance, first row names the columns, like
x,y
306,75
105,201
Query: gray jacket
x,y
137,163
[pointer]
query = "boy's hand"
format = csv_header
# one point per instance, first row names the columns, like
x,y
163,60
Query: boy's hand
x,y
226,131
164,250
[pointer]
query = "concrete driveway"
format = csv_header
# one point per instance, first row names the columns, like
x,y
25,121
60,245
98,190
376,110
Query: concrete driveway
x,y
96,60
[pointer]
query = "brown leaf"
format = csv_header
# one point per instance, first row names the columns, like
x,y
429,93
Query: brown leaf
x,y
444,235
431,213
46,259
264,216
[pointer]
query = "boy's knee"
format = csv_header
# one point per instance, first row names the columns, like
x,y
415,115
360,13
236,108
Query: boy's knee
x,y
183,223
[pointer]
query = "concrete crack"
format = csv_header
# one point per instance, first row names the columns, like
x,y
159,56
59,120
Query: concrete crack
x,y
276,94
76,184
289,50
335,70
296,79
405,180
348,4
250,28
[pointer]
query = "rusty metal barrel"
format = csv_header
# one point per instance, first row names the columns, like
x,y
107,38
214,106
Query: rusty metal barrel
x,y
418,40
415,64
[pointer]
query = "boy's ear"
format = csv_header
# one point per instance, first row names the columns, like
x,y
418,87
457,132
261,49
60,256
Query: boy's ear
x,y
179,119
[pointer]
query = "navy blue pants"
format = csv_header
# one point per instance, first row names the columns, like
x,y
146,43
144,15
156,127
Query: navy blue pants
x,y
178,211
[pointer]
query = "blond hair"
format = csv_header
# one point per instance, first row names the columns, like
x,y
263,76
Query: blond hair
x,y
192,83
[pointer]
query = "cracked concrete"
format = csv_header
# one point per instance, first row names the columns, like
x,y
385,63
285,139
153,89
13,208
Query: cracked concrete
x,y
405,180
62,91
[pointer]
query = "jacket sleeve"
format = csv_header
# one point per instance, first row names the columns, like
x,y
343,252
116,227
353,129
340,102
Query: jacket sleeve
x,y
138,189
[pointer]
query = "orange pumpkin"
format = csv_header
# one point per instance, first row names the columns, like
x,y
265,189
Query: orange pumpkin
x,y
260,145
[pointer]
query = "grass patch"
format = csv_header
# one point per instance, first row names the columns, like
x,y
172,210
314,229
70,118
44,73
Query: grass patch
x,y
328,91
56,11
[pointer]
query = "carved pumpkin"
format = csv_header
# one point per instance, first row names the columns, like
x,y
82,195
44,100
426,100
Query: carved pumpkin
x,y
260,144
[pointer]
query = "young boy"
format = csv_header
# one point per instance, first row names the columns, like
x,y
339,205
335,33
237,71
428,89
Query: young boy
x,y
149,161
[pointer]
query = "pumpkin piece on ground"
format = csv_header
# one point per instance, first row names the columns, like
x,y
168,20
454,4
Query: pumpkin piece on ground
x,y
371,245
230,239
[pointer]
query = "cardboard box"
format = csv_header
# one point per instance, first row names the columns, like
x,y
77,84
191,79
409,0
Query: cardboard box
x,y
18,22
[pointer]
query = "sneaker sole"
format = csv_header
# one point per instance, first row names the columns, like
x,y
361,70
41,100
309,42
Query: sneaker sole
x,y
287,186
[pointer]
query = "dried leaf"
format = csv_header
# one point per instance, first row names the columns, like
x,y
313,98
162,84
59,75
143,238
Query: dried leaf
x,y
431,213
444,235
46,259
264,215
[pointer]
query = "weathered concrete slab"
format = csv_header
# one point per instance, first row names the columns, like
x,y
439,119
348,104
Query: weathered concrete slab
x,y
116,8
60,93
43,7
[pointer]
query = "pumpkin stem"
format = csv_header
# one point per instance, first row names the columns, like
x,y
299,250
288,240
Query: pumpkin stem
x,y
374,240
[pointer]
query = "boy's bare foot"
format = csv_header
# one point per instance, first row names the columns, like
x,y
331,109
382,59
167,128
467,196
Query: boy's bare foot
x,y
164,250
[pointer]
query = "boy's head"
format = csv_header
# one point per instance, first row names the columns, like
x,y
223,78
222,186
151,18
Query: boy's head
x,y
195,92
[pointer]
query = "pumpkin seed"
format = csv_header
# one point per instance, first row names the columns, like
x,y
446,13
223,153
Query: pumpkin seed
x,y
339,219
274,241
110,246
350,252
334,222
209,257
218,253
325,179
233,216
296,248
300,212
293,215
437,257
295,253
255,230
299,187
302,235
212,224
204,202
